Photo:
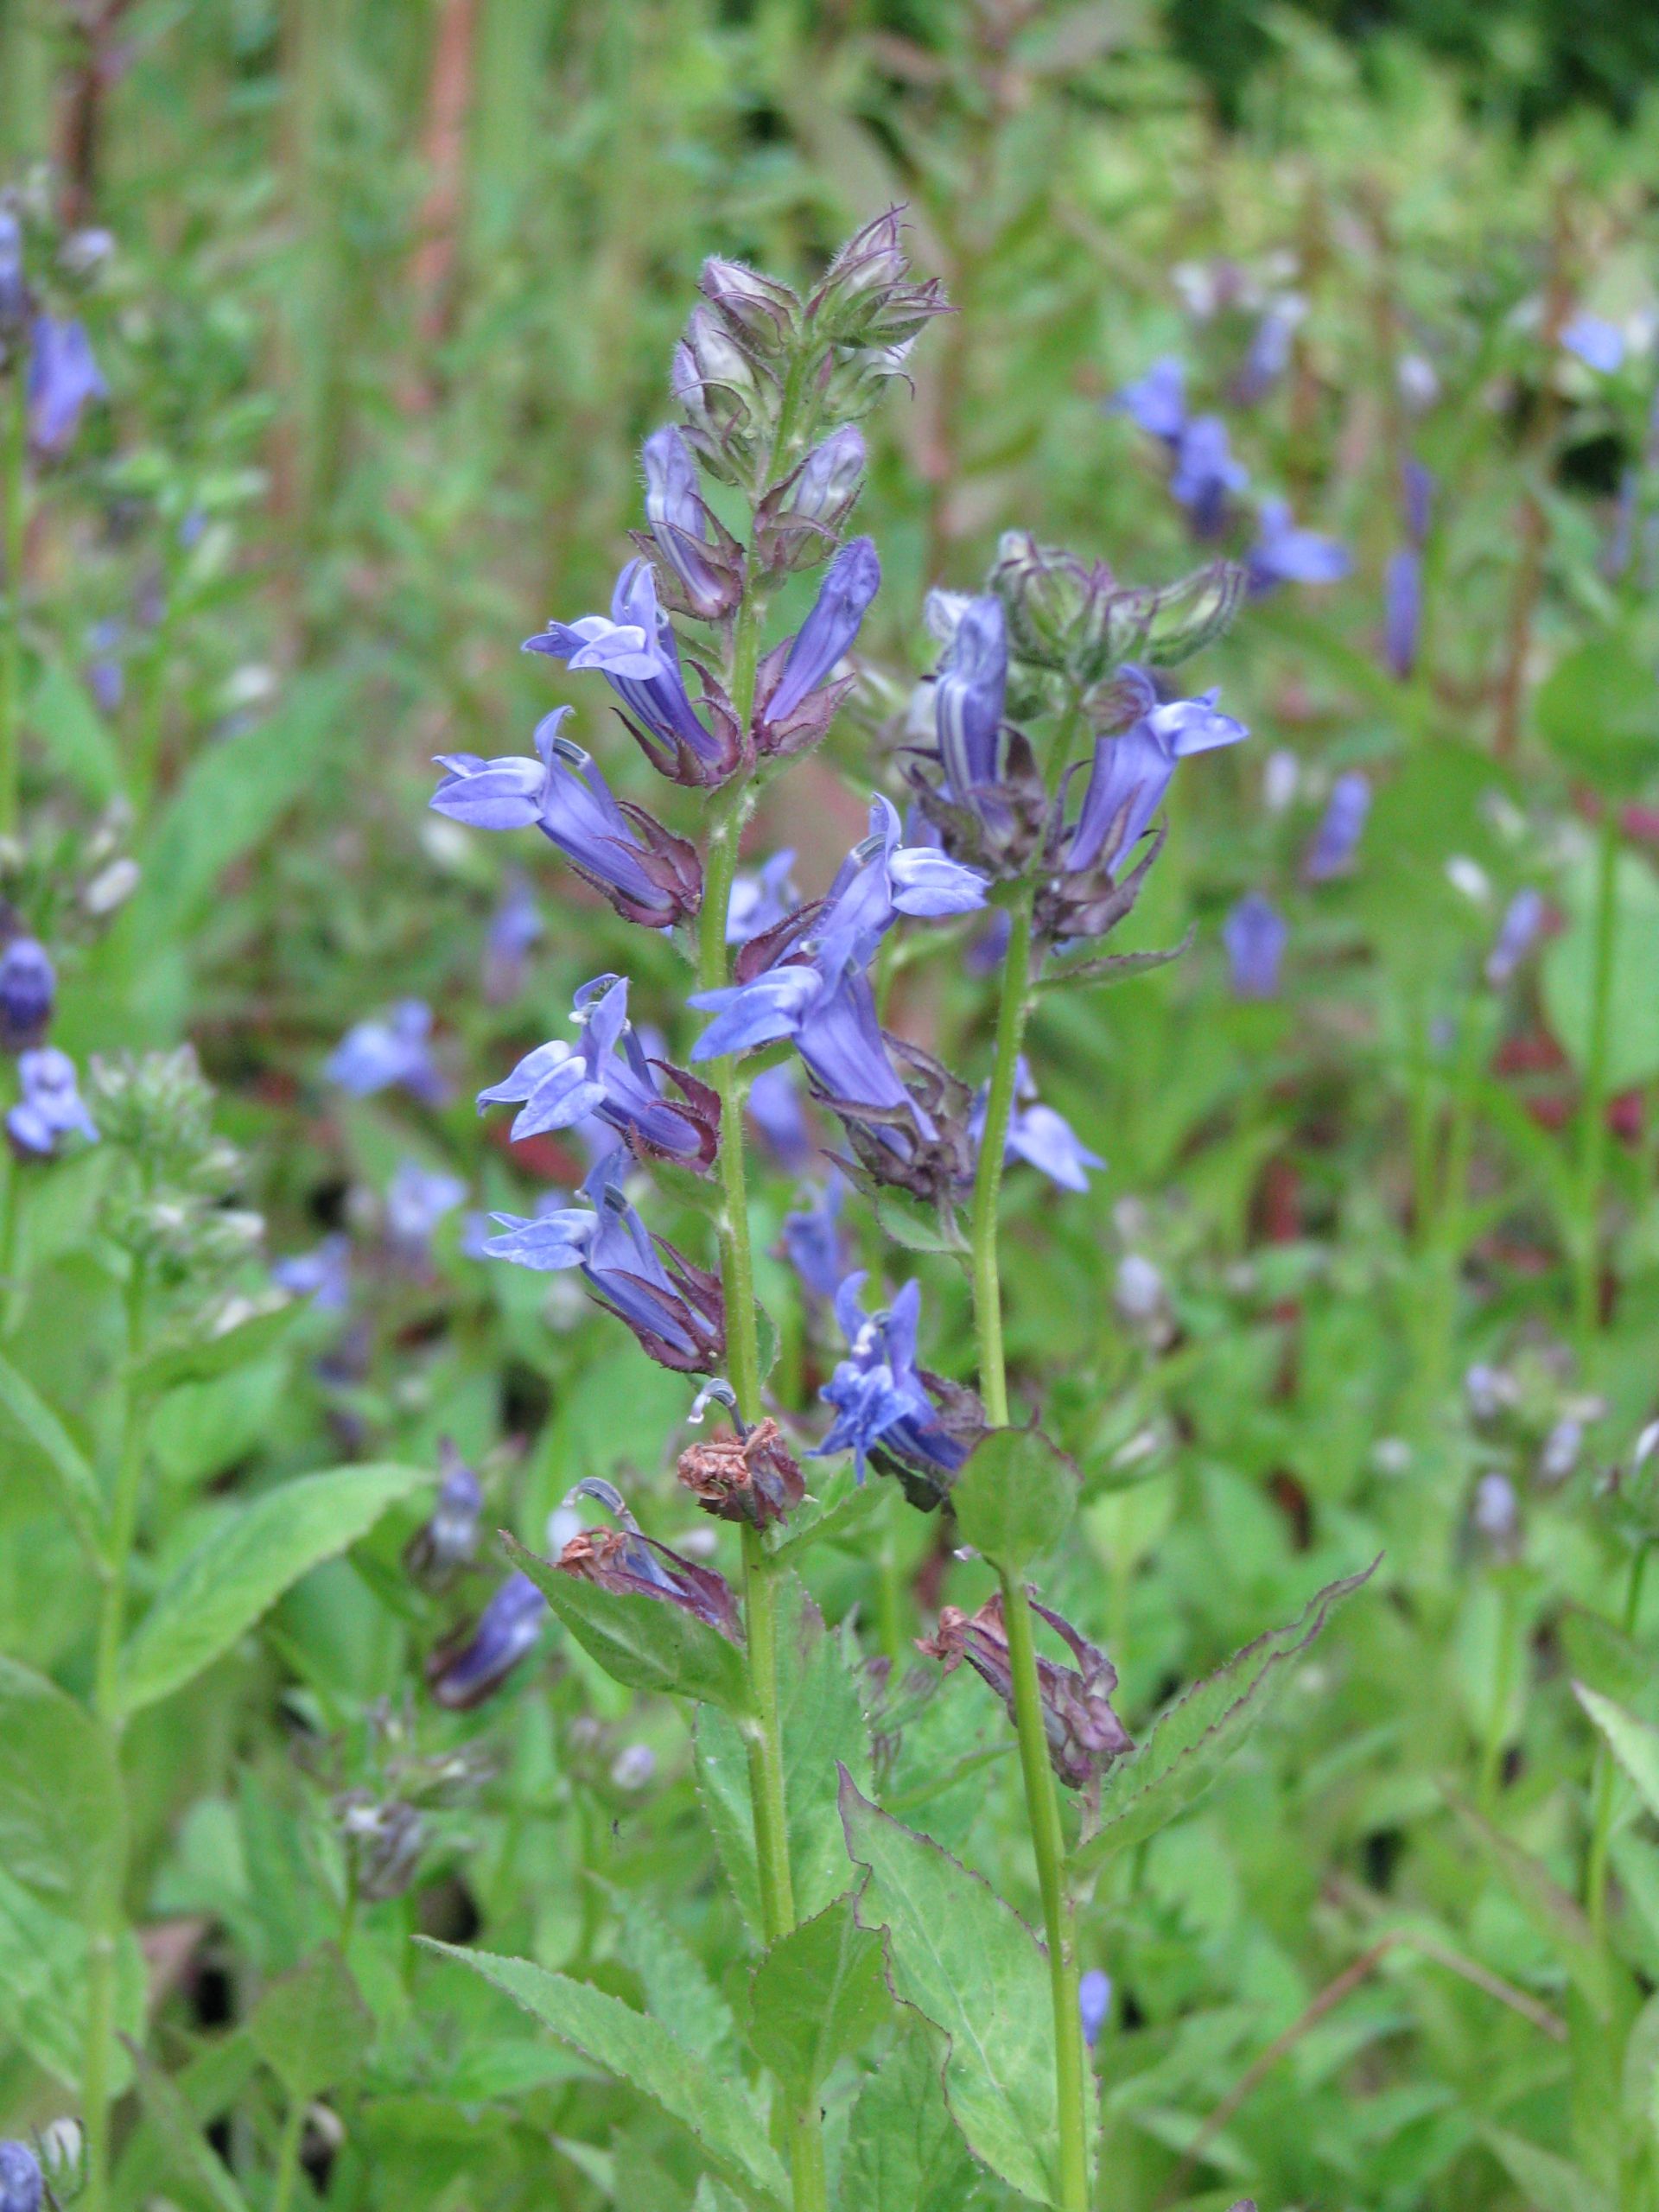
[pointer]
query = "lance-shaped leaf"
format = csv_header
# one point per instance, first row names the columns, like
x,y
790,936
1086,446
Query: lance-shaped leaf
x,y
644,2053
169,2111
1112,967
1546,2179
1015,1499
1558,1917
969,1964
904,2152
63,1810
1185,1749
648,1644
1634,1744
237,1572
26,1410
815,1996
311,2027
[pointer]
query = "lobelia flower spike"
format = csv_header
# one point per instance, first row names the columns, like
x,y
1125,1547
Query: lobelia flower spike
x,y
447,1539
1038,1134
674,1308
49,1107
1255,934
791,712
627,1561
606,1073
64,381
890,1413
390,1049
636,651
1518,932
796,524
1285,553
1332,850
29,987
649,875
1083,1734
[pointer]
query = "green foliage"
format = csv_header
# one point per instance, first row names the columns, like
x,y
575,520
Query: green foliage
x,y
817,1996
1016,1498
62,1818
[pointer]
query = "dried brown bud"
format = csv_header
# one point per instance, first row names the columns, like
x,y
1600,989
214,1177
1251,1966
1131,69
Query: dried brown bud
x,y
754,1478
1084,1735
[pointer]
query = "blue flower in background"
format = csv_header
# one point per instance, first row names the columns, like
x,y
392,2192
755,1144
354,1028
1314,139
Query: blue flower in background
x,y
50,1106
774,1106
63,382
813,1241
515,926
323,1275
464,1670
1205,475
1268,355
1336,839
1157,401
759,902
1037,1134
1518,932
29,987
393,1049
1402,610
21,2186
878,1396
418,1198
1093,2002
1596,342
1255,934
1285,553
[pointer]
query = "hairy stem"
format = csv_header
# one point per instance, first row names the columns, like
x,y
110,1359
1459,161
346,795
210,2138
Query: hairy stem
x,y
1592,1132
1042,1807
14,436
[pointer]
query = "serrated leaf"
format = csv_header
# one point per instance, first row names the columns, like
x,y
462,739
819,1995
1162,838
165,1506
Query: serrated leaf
x,y
918,1225
43,1982
818,1994
62,1809
904,2154
1634,1744
1548,2183
1114,967
1558,1917
644,2052
1016,1497
969,1964
677,1990
238,1573
646,1643
312,2027
27,1411
1185,1749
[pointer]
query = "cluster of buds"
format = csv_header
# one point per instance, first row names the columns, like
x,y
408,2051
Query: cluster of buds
x,y
169,1210
1084,1735
384,1822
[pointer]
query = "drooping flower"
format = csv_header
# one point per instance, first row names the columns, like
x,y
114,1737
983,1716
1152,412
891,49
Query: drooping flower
x,y
1157,401
1038,1134
1285,553
323,1275
649,875
1205,475
885,1410
1083,1734
633,1563
467,1666
393,1049
1255,934
447,1539
1093,2002
967,700
29,987
760,901
418,1198
674,1308
849,584
1131,773
635,650
63,382
50,1107
813,1241
606,1073
1523,920
1597,342
1336,839
705,558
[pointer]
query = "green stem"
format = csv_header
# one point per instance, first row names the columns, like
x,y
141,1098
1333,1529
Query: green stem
x,y
1042,1807
1498,1719
1601,1819
13,437
105,1918
1593,1134
288,2156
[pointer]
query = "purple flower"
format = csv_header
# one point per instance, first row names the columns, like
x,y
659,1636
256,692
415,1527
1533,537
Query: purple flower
x,y
826,484
883,1405
673,1308
986,954
466,1668
1523,918
388,1050
1597,342
323,1275
1255,934
774,1107
968,699
1268,355
707,561
649,876
606,1073
812,1238
104,674
760,902
850,582
1284,553
20,2185
14,292
1416,498
50,1106
1402,615
1131,773
1496,1514
1038,1134
447,1539
515,926
28,987
636,651
1093,2002
418,1198
63,380
1205,475
1157,401
1331,850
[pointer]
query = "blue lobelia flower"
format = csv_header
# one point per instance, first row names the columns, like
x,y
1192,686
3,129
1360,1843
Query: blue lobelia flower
x,y
1131,773
1038,1134
607,1074
14,291
1402,610
881,1403
1285,553
28,987
812,1239
1597,342
774,1107
673,1308
1331,850
465,1669
323,1274
759,902
50,1107
850,582
967,700
707,560
63,381
1157,401
394,1049
1268,355
447,1539
1255,934
418,1198
1093,2002
21,2186
515,926
1522,923
635,650
1205,473
648,876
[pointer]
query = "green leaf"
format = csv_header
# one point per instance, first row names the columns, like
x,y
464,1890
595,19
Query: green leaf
x,y
1016,1497
1604,1657
170,2113
1598,707
63,1810
1548,2182
1632,1034
815,1996
1187,1746
43,1985
238,1573
969,1964
712,2196
1558,1917
26,1410
207,2087
822,1722
904,2152
677,1990
919,1225
644,2052
1634,1744
311,2027
1115,967
66,717
203,1358
644,1642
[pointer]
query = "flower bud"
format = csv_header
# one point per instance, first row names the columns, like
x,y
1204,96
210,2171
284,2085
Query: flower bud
x,y
27,994
865,298
1046,593
759,311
